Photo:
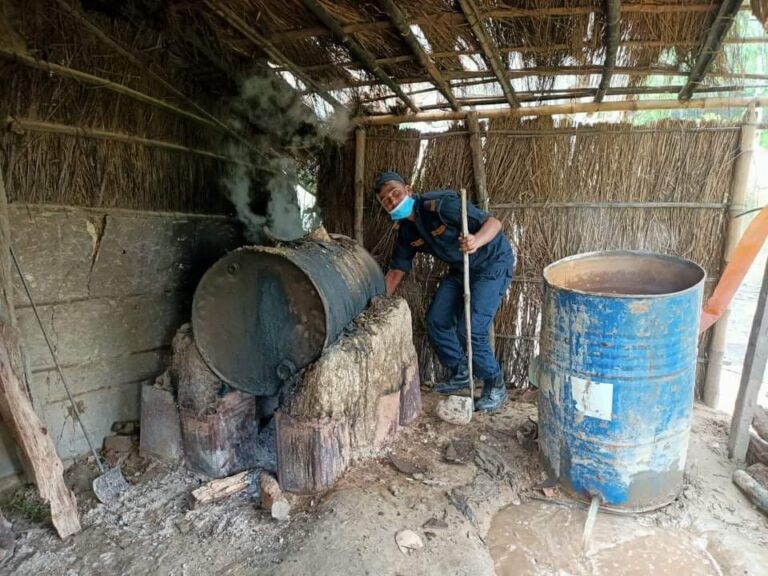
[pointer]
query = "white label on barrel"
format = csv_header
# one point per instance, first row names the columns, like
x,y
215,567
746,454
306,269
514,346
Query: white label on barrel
x,y
594,399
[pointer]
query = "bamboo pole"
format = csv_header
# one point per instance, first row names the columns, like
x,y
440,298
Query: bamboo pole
x,y
612,34
491,56
93,80
101,35
36,447
739,190
275,54
726,15
20,125
357,51
400,21
575,108
359,184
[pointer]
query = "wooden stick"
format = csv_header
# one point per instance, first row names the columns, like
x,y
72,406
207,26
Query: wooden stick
x,y
612,34
755,361
467,299
357,51
738,203
359,184
755,491
19,125
17,413
400,21
93,80
577,108
726,16
491,56
221,488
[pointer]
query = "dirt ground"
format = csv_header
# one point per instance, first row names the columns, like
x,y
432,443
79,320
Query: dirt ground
x,y
468,493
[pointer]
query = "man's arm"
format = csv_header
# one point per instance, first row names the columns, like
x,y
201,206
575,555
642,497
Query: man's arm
x,y
488,231
393,279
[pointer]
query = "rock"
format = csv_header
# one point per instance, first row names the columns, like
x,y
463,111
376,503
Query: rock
x,y
434,523
760,422
121,444
7,539
408,540
455,410
272,498
408,465
126,428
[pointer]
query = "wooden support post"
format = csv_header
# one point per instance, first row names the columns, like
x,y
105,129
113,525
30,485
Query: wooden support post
x,y
478,170
751,377
739,189
37,449
359,184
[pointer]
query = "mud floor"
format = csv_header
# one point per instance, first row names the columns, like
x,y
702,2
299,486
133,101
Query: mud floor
x,y
468,494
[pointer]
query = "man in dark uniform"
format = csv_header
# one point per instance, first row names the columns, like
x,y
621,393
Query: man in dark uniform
x,y
431,223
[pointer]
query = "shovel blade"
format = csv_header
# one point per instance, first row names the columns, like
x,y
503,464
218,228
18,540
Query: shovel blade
x,y
109,486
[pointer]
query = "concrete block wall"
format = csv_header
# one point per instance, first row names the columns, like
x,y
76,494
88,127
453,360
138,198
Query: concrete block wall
x,y
112,287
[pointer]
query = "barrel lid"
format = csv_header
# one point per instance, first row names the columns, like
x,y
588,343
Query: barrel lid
x,y
624,273
256,317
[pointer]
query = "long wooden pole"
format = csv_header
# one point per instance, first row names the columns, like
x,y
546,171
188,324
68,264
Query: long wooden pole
x,y
755,361
359,184
37,449
467,300
739,190
576,108
93,80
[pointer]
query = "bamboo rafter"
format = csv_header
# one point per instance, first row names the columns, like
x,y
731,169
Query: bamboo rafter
x,y
575,108
490,54
357,51
612,32
273,53
400,22
710,46
21,125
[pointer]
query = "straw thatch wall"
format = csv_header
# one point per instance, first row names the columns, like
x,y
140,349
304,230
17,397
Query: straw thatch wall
x,y
42,167
532,168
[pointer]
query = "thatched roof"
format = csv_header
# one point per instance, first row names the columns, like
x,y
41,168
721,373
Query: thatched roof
x,y
398,55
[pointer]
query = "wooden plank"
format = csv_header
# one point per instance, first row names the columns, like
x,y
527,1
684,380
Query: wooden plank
x,y
410,395
711,45
472,14
160,425
359,184
752,373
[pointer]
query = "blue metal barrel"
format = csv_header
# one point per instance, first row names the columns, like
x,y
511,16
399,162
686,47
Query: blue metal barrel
x,y
616,374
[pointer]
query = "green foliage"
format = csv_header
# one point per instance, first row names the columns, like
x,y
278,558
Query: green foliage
x,y
28,504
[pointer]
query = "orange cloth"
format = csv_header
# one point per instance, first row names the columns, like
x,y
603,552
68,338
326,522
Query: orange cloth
x,y
743,255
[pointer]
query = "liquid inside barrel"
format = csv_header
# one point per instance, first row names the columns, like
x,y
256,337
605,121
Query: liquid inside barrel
x,y
261,314
616,375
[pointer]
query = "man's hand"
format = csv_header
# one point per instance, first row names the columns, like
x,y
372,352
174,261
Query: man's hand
x,y
469,244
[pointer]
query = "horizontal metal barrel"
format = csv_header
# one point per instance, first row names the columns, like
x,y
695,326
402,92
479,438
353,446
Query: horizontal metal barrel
x,y
616,374
260,314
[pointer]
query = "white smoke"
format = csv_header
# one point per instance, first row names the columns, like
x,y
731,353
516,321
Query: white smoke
x,y
273,110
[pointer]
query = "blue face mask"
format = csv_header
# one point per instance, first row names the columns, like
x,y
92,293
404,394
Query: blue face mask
x,y
404,209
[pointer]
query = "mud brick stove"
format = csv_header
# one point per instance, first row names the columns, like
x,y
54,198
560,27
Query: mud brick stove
x,y
288,365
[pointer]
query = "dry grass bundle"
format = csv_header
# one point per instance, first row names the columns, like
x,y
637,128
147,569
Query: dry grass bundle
x,y
447,163
70,170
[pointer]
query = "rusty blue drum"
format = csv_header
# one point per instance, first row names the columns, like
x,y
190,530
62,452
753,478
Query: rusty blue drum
x,y
616,373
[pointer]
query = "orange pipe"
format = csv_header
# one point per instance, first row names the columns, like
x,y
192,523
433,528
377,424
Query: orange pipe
x,y
743,255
